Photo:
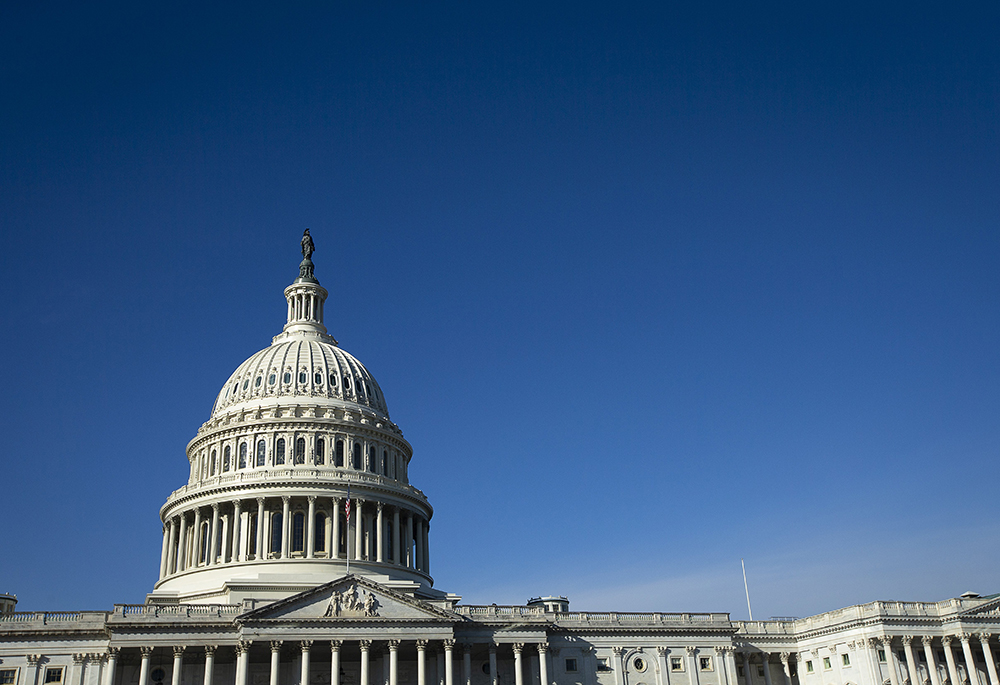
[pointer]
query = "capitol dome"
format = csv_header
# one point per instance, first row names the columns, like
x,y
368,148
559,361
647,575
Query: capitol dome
x,y
298,476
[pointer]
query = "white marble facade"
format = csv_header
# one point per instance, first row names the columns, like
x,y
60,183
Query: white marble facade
x,y
265,580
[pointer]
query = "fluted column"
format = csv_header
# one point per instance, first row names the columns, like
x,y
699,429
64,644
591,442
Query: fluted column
x,y
334,662
259,542
395,536
543,666
932,666
661,665
912,671
949,657
335,525
449,675
393,648
890,659
275,661
182,544
617,659
242,661
145,653
172,546
358,532
421,662
970,663
379,540
306,645
237,553
311,531
209,663
175,676
991,665
365,646
214,540
285,506
493,664
730,664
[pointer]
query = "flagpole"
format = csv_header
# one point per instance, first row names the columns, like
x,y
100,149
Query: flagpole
x,y
347,528
746,588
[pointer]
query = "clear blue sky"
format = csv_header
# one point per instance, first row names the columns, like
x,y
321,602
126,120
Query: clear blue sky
x,y
649,287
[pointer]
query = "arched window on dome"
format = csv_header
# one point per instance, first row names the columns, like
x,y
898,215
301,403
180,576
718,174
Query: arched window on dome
x,y
211,464
356,463
302,377
333,380
226,458
252,536
372,458
243,455
320,451
272,378
338,457
318,378
385,463
205,542
287,378
256,382
298,532
320,544
275,546
279,451
261,453
300,451
347,383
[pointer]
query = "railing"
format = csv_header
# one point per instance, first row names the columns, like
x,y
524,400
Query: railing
x,y
592,617
324,475
47,617
494,610
174,610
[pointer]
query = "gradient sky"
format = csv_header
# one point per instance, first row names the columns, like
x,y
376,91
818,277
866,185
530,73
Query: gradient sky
x,y
650,288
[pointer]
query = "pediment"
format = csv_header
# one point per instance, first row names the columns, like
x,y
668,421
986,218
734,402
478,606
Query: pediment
x,y
351,598
989,609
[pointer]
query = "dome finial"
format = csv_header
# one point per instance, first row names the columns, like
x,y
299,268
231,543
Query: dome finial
x,y
306,267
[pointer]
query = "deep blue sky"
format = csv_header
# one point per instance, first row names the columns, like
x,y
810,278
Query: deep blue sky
x,y
649,288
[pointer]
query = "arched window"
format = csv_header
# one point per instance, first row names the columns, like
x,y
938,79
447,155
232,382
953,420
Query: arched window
x,y
300,451
385,463
372,459
256,382
302,377
347,383
318,378
287,378
320,451
298,531
252,535
271,379
205,541
211,467
333,380
320,545
261,453
279,451
338,459
357,456
243,455
275,533
226,458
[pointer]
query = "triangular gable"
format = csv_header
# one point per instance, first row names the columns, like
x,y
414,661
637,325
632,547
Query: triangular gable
x,y
349,598
991,609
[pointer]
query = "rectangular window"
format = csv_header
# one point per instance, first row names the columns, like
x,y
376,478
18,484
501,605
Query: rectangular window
x,y
602,664
8,676
705,663
881,656
845,659
760,671
53,675
571,665
676,664
809,667
826,663
739,671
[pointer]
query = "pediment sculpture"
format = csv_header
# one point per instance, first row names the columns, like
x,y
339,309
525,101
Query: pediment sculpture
x,y
352,601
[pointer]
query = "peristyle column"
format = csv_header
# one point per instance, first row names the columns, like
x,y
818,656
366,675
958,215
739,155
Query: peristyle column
x,y
421,662
991,665
543,667
112,662
242,661
237,553
209,663
393,652
395,536
365,646
175,677
335,662
145,653
311,531
259,542
214,544
275,660
949,657
379,540
911,663
306,645
970,663
285,502
932,666
449,676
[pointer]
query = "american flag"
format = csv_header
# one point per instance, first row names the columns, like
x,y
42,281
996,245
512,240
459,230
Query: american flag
x,y
347,505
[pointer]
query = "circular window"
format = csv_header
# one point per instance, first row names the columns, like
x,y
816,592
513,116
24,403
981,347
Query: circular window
x,y
271,379
256,383
287,378
486,668
639,664
302,377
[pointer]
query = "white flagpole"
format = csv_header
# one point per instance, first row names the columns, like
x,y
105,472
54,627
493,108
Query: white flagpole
x,y
746,587
347,528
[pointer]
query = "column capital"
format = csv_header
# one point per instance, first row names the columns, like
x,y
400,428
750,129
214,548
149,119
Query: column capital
x,y
379,506
964,637
542,647
82,658
365,645
335,645
260,502
908,639
518,646
215,507
285,498
276,645
210,650
421,645
691,650
785,656
874,643
946,640
449,645
311,498
306,645
179,651
720,650
984,638
493,648
393,645
144,651
927,640
243,646
661,650
887,641
113,652
617,651
467,647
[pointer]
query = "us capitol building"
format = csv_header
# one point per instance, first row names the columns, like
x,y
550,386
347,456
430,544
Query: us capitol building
x,y
298,553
